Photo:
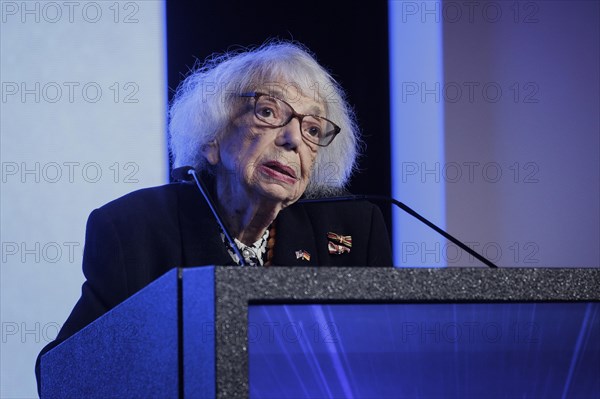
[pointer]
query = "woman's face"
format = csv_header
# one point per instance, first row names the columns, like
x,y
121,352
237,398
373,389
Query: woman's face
x,y
258,160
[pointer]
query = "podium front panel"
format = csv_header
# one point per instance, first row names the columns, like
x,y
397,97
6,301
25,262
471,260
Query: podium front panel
x,y
460,350
238,290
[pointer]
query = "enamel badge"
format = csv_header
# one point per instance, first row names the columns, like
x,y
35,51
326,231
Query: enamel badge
x,y
302,254
338,244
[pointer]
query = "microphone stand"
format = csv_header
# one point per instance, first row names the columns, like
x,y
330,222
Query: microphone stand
x,y
411,212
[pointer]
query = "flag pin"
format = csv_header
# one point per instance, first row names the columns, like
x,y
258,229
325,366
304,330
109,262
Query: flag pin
x,y
302,254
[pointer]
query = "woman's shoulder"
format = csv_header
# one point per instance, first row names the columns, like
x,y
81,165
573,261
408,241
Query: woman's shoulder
x,y
148,209
328,212
333,206
149,199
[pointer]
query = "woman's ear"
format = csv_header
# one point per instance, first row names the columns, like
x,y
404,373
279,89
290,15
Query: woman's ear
x,y
210,151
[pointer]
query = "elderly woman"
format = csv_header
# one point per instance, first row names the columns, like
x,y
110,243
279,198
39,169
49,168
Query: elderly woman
x,y
263,128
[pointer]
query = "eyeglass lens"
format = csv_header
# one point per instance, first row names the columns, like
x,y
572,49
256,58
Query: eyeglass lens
x,y
276,112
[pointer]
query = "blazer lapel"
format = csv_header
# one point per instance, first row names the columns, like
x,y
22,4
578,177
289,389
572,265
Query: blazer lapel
x,y
295,243
201,242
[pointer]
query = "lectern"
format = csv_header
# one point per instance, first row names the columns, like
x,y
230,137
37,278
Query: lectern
x,y
232,332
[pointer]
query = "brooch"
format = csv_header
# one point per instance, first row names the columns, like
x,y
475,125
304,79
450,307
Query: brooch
x,y
338,244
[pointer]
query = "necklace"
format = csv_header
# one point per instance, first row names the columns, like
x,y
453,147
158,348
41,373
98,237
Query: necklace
x,y
259,253
270,245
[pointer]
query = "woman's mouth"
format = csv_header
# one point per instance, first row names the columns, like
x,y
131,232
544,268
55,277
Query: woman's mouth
x,y
279,171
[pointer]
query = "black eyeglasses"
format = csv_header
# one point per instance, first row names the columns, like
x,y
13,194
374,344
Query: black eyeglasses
x,y
277,113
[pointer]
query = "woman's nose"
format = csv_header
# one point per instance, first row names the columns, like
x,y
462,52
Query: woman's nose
x,y
290,135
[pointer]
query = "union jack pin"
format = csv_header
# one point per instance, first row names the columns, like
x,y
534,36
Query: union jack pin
x,y
340,239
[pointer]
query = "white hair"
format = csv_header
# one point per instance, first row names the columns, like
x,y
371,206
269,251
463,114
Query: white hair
x,y
205,101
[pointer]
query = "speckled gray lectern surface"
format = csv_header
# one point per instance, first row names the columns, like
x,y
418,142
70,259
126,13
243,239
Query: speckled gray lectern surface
x,y
236,288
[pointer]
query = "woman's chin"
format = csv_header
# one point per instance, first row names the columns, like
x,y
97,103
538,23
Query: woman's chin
x,y
278,192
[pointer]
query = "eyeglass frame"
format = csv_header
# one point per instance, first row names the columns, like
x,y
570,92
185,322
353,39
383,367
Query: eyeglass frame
x,y
256,95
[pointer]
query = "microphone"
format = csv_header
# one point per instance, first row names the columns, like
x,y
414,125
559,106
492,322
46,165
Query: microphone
x,y
411,212
187,173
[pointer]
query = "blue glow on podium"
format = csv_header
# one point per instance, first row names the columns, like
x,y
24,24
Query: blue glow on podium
x,y
442,350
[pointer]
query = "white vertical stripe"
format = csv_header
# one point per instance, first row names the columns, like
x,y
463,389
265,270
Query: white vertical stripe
x,y
417,129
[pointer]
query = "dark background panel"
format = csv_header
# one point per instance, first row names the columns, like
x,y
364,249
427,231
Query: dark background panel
x,y
349,38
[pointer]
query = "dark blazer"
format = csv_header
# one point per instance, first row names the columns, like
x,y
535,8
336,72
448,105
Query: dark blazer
x,y
135,239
